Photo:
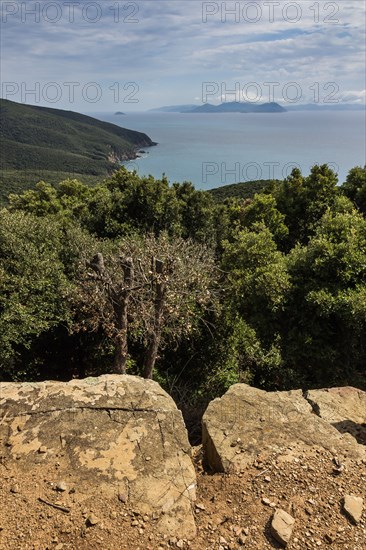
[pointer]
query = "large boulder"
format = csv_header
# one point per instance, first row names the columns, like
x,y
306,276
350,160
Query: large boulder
x,y
247,422
344,408
116,435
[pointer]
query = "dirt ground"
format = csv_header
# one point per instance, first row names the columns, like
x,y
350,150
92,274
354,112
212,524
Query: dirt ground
x,y
232,511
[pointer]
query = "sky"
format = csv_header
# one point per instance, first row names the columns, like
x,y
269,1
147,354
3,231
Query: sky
x,y
133,56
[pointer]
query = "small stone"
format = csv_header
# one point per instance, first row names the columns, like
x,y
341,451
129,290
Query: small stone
x,y
91,520
135,523
267,479
180,543
237,530
242,540
61,486
282,526
122,497
353,507
14,488
266,501
148,458
42,450
59,546
222,540
200,506
113,515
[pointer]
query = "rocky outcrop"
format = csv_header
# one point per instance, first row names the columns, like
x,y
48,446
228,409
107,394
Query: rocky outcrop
x,y
246,422
120,436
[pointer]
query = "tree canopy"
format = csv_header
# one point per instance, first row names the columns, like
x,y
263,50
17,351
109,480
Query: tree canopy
x,y
136,275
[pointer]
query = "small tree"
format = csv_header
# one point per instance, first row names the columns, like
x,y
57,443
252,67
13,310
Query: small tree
x,y
153,286
181,278
107,283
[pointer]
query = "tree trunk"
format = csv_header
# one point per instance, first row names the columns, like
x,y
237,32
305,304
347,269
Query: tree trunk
x,y
154,337
150,356
120,302
120,342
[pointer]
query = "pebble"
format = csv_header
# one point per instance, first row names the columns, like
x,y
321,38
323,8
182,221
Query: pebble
x,y
91,520
61,486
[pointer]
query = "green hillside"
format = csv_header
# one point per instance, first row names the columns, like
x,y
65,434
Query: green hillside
x,y
40,140
242,190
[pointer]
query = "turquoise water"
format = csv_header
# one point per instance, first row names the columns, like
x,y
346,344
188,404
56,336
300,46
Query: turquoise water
x,y
217,149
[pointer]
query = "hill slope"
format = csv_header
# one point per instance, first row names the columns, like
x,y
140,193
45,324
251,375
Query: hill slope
x,y
241,190
35,139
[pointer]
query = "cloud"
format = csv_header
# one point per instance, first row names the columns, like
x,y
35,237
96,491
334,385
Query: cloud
x,y
354,97
168,49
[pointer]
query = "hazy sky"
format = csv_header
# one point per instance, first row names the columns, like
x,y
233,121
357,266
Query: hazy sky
x,y
131,56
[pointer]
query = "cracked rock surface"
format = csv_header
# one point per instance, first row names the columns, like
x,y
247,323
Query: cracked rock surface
x,y
247,421
108,436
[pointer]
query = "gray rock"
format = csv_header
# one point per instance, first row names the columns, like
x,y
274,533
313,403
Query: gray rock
x,y
353,507
282,526
112,424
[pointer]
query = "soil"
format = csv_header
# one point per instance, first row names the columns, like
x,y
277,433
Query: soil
x,y
232,511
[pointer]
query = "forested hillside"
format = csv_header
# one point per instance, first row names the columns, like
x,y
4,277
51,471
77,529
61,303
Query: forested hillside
x,y
51,142
134,275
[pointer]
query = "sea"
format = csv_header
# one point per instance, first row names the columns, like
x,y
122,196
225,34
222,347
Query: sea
x,y
216,149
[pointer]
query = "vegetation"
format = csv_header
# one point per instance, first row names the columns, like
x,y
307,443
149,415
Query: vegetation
x,y
242,190
134,275
35,139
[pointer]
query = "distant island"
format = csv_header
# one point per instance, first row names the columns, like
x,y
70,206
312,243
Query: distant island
x,y
239,107
43,143
119,113
248,107
227,107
